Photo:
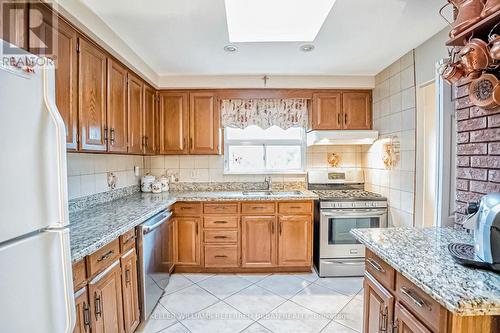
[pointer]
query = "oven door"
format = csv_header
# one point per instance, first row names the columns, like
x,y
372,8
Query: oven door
x,y
336,224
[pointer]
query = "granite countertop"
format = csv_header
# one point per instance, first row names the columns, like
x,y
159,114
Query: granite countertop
x,y
96,226
421,255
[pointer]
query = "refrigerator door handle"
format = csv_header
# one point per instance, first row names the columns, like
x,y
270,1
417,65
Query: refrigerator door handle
x,y
55,116
67,272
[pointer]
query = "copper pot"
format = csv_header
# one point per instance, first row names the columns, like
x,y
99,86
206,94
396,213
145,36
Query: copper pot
x,y
451,72
469,12
495,47
482,91
496,94
491,6
475,57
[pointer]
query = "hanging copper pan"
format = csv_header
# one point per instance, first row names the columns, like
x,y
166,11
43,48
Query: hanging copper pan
x,y
482,90
469,12
475,57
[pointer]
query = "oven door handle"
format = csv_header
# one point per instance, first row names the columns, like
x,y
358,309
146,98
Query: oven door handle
x,y
354,213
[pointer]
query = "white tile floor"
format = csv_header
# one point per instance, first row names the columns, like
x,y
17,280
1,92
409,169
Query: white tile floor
x,y
254,303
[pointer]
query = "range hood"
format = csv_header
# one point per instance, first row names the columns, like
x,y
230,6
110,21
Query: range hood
x,y
348,137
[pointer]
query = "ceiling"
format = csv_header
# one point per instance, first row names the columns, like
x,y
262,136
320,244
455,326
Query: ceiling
x,y
186,37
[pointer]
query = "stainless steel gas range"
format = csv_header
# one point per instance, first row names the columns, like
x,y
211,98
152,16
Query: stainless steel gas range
x,y
343,205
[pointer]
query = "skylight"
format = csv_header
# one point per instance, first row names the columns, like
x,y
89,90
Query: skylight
x,y
275,20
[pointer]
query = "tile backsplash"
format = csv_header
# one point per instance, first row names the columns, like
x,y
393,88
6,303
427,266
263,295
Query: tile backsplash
x,y
87,173
394,118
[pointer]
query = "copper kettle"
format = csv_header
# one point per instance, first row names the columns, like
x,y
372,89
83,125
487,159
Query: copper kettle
x,y
475,57
469,12
491,6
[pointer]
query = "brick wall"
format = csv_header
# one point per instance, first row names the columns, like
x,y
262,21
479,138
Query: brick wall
x,y
478,150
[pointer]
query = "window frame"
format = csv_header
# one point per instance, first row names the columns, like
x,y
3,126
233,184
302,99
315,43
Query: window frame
x,y
264,143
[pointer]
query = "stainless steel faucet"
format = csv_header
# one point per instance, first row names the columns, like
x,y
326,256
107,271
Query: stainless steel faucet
x,y
268,180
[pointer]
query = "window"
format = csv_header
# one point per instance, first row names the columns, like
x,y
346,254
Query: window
x,y
255,150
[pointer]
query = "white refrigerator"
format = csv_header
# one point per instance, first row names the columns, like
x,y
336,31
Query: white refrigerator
x,y
36,288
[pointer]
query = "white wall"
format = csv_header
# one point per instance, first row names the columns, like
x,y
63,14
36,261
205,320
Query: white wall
x,y
427,54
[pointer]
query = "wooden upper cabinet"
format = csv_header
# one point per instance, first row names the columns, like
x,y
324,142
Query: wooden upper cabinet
x,y
294,240
204,123
136,140
357,110
82,308
130,290
91,97
326,111
406,322
106,301
174,123
150,121
117,107
378,307
188,241
15,31
258,241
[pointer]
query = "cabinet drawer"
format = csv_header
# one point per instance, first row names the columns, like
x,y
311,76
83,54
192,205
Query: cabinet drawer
x,y
187,209
127,241
295,207
382,271
220,222
220,208
257,208
430,312
221,256
102,258
220,236
79,274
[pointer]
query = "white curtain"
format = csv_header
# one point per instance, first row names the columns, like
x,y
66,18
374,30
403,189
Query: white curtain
x,y
284,113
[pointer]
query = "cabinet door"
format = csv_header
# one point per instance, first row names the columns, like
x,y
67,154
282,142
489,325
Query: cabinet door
x,y
91,97
117,107
16,30
204,124
130,290
188,241
174,123
357,110
106,301
135,115
294,240
150,120
82,311
65,56
405,322
378,306
258,241
66,81
326,111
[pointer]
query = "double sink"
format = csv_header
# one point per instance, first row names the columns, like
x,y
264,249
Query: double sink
x,y
270,193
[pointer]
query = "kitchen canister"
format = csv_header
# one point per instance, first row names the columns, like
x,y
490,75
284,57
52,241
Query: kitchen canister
x,y
156,187
164,183
146,183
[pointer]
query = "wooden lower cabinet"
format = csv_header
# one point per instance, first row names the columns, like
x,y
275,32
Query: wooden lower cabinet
x,y
378,306
130,291
405,322
294,240
258,241
106,301
171,244
188,241
82,308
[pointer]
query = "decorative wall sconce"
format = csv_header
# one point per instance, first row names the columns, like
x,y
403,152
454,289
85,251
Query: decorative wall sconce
x,y
333,160
390,152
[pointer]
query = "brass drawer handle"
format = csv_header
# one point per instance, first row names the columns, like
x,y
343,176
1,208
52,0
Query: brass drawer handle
x,y
220,256
220,237
415,299
97,305
220,208
86,316
258,207
127,276
375,265
220,222
295,207
106,255
186,208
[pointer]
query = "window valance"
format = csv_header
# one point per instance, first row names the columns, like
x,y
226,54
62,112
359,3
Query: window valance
x,y
284,113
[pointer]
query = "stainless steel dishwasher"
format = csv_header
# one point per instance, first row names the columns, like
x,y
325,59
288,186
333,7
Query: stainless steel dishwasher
x,y
154,274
